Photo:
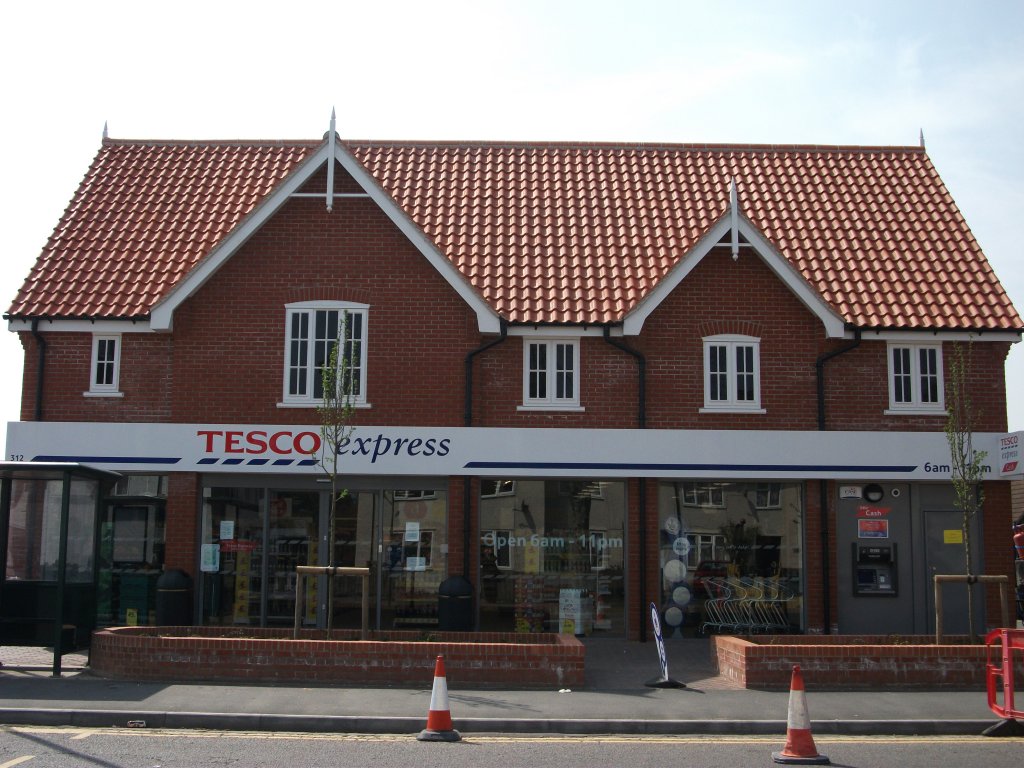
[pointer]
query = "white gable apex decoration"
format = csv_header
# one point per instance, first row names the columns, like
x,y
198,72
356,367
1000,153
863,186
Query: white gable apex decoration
x,y
162,314
731,222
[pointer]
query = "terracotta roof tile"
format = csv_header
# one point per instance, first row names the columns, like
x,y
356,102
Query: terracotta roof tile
x,y
546,233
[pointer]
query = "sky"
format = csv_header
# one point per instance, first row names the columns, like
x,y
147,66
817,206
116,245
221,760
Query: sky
x,y
822,72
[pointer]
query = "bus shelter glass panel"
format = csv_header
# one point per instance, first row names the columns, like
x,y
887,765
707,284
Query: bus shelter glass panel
x,y
33,540
231,556
731,557
39,606
552,556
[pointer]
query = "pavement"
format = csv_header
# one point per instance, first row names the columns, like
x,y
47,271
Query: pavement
x,y
613,700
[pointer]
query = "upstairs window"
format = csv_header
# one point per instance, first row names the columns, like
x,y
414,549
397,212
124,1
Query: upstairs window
x,y
915,378
105,369
551,373
732,373
312,330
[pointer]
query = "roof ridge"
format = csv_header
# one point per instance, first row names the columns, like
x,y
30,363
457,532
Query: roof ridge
x,y
525,144
107,141
692,146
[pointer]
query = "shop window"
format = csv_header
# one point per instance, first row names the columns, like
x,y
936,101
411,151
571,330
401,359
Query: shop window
x,y
490,489
735,566
312,330
105,368
704,548
551,374
141,485
732,373
766,495
915,378
495,550
703,495
590,490
552,556
414,495
418,550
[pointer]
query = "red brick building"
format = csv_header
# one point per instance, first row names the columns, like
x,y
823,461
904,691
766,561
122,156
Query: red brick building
x,y
586,378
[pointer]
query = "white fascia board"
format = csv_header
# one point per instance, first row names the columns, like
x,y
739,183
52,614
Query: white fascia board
x,y
935,335
82,326
833,323
162,314
487,319
835,326
633,322
559,331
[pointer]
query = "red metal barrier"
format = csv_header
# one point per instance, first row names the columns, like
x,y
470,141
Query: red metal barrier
x,y
1008,640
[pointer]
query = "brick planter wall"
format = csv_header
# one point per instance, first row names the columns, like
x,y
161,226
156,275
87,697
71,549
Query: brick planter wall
x,y
394,658
849,661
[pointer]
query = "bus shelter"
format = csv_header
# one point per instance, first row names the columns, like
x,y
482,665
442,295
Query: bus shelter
x,y
48,544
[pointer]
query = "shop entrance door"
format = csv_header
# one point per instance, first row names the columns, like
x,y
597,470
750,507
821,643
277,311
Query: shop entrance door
x,y
401,536
292,540
356,545
254,538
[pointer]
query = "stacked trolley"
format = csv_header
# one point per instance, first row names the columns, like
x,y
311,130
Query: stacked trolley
x,y
737,605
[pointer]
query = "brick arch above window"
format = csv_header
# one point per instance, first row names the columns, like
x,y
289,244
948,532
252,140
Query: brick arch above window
x,y
750,328
327,293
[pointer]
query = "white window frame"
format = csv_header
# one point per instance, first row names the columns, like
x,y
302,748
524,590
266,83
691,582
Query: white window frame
x,y
308,365
550,373
768,496
913,379
502,487
731,375
703,494
109,388
500,540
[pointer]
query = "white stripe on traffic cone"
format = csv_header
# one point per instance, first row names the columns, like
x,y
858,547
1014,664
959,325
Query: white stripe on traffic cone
x,y
799,749
439,718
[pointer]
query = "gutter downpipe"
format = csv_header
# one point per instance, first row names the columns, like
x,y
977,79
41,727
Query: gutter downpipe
x,y
40,368
826,581
641,418
468,421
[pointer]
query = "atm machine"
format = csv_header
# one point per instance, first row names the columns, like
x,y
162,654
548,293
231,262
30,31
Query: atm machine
x,y
873,555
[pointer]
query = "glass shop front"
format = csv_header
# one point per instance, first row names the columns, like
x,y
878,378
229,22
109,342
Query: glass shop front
x,y
552,556
731,557
253,537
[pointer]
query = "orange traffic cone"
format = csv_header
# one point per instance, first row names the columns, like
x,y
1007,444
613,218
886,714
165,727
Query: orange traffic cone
x,y
439,718
799,749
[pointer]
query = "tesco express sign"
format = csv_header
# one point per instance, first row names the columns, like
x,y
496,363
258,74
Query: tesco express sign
x,y
259,442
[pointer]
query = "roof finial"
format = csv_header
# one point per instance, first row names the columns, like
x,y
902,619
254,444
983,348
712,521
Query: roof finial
x,y
922,138
104,130
734,219
331,139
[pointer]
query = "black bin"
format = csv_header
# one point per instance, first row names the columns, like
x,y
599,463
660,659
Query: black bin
x,y
455,605
174,598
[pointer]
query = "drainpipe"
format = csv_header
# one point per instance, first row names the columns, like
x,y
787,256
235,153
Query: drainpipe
x,y
40,368
641,365
641,418
468,420
819,369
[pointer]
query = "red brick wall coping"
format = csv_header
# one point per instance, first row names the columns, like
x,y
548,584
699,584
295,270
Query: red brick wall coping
x,y
850,661
395,658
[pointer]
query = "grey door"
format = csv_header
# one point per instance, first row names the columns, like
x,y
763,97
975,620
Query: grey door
x,y
944,554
